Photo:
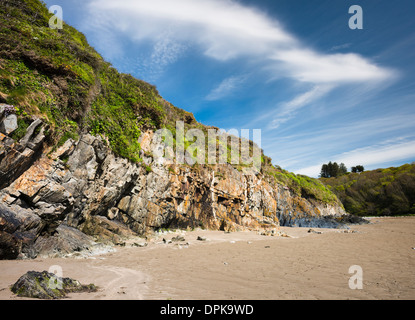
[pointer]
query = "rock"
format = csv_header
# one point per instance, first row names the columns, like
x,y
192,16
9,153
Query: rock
x,y
112,213
29,132
16,158
352,219
270,232
64,242
314,231
317,216
283,234
9,124
19,228
104,230
199,238
228,226
8,220
45,285
178,239
140,245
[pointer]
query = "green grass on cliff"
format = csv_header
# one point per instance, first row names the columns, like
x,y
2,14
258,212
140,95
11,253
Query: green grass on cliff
x,y
379,192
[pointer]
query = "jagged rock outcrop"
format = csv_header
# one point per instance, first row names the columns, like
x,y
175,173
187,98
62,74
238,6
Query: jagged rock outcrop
x,y
50,198
16,158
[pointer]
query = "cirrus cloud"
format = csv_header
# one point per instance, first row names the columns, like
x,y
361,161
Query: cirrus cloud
x,y
226,87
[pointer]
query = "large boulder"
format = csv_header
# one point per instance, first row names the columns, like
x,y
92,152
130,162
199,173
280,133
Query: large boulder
x,y
18,229
45,285
65,242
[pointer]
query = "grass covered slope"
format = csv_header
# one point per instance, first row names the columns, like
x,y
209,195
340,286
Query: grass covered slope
x,y
57,76
301,185
379,192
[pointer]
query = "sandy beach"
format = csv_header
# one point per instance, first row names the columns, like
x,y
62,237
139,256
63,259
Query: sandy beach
x,y
246,266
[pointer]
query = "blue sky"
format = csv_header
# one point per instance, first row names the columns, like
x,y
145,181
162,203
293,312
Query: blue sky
x,y
318,90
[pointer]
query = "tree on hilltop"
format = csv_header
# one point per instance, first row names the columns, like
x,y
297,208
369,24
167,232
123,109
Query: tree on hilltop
x,y
358,169
342,169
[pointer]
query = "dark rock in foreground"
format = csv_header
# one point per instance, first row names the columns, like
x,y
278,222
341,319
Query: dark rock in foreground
x,y
45,285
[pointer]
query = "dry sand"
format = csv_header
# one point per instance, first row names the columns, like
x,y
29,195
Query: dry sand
x,y
247,266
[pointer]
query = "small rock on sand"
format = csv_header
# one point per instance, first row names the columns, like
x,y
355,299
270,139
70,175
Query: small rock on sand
x,y
178,239
314,231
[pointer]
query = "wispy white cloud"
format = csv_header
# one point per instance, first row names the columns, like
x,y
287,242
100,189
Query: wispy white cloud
x,y
226,87
288,110
326,143
224,29
304,99
165,52
227,29
309,66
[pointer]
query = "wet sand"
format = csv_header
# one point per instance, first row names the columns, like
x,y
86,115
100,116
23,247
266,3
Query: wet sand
x,y
246,266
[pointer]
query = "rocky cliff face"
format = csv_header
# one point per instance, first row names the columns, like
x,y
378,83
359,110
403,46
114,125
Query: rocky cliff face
x,y
61,200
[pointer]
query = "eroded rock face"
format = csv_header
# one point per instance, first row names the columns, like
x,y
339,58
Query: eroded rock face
x,y
83,185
